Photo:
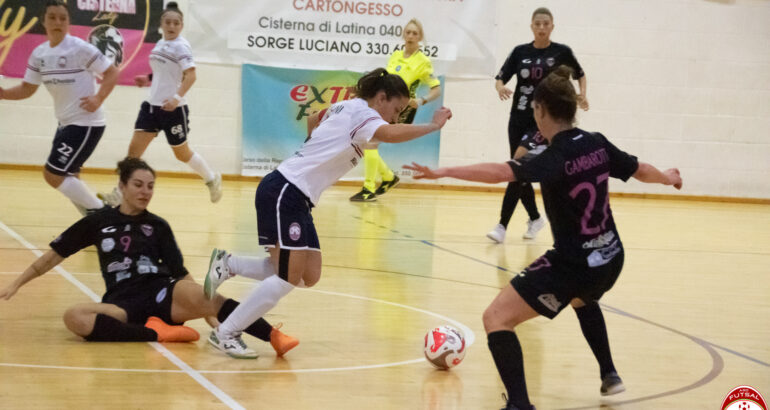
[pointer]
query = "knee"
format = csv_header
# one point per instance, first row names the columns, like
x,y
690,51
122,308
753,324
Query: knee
x,y
312,278
52,179
495,320
182,156
77,322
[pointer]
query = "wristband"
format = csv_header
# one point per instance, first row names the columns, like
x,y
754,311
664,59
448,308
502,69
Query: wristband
x,y
178,98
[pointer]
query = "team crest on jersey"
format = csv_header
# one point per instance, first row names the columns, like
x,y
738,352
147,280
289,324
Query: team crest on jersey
x,y
398,68
108,244
146,229
550,61
524,73
294,231
62,62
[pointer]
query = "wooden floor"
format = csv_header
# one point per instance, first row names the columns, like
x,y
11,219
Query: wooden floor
x,y
689,318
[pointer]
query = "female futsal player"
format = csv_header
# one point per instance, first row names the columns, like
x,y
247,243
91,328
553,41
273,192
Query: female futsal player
x,y
147,283
588,255
285,197
69,67
173,73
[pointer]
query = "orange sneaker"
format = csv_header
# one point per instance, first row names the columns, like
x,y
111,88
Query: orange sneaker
x,y
282,342
168,333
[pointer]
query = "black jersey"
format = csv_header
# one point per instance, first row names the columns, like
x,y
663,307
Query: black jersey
x,y
132,249
534,142
531,65
573,173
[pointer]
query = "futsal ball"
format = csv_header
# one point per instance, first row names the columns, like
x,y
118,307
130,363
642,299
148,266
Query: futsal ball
x,y
444,347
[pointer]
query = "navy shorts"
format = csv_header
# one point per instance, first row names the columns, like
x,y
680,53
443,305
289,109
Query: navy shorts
x,y
551,282
176,124
72,145
152,297
283,215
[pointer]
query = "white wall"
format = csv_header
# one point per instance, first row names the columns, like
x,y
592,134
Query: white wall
x,y
681,83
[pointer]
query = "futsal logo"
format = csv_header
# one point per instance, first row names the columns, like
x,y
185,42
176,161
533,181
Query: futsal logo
x,y
744,398
294,231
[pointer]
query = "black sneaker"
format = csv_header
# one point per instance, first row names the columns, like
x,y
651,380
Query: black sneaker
x,y
612,384
364,196
387,185
510,406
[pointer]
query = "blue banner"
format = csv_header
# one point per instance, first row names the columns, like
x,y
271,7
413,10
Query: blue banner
x,y
277,101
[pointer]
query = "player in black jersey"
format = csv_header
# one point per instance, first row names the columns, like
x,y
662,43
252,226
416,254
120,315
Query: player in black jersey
x,y
587,255
530,63
146,281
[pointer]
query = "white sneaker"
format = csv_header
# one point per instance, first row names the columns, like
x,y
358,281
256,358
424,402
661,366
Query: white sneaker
x,y
215,188
232,345
219,271
497,233
533,227
113,198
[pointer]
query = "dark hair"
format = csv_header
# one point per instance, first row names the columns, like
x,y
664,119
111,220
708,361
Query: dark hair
x,y
128,165
54,3
172,6
542,10
378,79
557,94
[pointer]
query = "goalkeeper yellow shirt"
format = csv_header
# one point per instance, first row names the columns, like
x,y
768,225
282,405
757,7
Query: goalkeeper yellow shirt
x,y
414,70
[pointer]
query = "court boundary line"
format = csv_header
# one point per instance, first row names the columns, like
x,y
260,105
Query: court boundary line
x,y
204,382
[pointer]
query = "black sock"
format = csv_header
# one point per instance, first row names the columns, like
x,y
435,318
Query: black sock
x,y
528,200
595,331
510,199
260,329
109,329
506,351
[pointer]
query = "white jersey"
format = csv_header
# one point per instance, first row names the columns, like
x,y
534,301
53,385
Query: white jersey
x,y
168,60
334,147
69,73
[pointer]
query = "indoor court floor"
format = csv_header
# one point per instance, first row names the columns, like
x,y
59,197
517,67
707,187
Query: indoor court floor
x,y
688,319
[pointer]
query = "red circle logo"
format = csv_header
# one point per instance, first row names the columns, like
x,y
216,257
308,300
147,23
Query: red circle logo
x,y
744,398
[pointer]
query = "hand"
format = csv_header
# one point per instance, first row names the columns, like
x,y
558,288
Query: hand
x,y
582,102
504,92
170,104
673,178
142,80
413,103
422,172
441,116
9,291
91,103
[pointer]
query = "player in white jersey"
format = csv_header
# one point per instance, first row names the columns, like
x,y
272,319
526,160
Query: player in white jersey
x,y
68,67
285,197
173,73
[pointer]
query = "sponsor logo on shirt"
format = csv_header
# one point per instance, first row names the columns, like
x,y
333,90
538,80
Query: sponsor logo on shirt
x,y
146,229
524,73
600,241
108,244
550,61
161,295
109,229
116,266
62,62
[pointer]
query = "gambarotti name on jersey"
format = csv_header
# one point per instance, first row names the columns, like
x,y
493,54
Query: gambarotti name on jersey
x,y
586,162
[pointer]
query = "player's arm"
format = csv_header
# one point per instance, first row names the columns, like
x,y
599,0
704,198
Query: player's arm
x,y
488,172
42,265
582,97
20,92
394,133
649,174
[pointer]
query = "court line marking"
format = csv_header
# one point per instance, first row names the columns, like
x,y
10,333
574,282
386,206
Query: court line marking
x,y
216,391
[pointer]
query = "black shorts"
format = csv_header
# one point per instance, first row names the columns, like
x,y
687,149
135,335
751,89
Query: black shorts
x,y
551,282
153,297
518,125
283,215
176,124
72,145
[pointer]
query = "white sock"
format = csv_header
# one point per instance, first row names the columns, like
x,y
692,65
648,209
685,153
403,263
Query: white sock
x,y
199,165
256,304
78,192
251,267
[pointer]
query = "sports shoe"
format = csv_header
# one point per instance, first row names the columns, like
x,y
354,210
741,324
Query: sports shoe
x,y
497,233
533,227
510,406
215,188
85,211
387,185
219,271
113,198
232,345
170,334
364,196
612,384
282,342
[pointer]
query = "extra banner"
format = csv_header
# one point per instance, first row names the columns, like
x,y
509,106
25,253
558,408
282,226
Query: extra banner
x,y
277,101
354,35
125,31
